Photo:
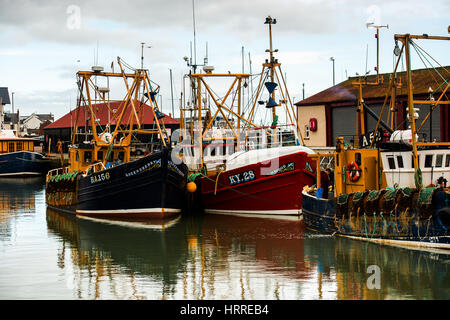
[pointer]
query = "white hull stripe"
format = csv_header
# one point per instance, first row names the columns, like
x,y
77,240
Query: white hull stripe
x,y
20,173
271,212
138,225
129,211
402,243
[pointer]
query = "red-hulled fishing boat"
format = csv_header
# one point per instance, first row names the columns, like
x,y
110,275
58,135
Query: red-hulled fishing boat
x,y
243,167
265,181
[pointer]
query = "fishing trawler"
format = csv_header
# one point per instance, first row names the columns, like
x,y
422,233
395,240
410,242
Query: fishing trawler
x,y
384,193
102,180
17,156
242,167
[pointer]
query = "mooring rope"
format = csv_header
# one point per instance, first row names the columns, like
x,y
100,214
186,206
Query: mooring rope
x,y
426,233
365,226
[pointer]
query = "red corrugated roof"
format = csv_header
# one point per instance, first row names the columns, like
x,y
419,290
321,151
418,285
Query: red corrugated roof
x,y
104,113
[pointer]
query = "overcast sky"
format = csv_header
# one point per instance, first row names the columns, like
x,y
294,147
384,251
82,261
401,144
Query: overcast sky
x,y
44,42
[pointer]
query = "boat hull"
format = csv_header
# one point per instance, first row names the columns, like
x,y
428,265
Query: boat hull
x,y
276,191
407,229
21,164
152,186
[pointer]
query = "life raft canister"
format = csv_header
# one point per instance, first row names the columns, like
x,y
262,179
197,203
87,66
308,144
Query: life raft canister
x,y
353,171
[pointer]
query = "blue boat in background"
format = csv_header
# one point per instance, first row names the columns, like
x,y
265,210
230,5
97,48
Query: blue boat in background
x,y
17,156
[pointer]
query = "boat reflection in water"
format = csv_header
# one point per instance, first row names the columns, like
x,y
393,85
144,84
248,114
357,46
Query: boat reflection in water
x,y
113,259
17,199
18,194
353,265
234,257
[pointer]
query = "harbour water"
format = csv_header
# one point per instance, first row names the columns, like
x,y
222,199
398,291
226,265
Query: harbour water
x,y
53,256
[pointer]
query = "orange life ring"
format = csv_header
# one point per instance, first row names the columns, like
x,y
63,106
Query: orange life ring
x,y
353,171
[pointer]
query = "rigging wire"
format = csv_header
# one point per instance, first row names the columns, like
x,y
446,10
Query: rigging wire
x,y
422,56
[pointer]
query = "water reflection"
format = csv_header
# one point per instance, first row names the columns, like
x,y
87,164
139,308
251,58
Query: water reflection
x,y
110,257
404,273
17,197
231,257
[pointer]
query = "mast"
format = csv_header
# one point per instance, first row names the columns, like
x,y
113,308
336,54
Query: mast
x,y
360,128
171,93
271,64
406,39
412,121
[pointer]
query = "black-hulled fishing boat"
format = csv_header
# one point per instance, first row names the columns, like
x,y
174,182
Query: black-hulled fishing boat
x,y
102,180
383,193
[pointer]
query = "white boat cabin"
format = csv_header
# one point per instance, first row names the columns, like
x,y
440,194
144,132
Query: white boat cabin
x,y
398,166
223,144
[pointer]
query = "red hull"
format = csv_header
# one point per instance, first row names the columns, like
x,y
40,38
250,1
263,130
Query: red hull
x,y
279,193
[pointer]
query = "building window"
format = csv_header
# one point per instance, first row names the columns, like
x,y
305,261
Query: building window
x,y
391,163
306,132
439,159
358,158
428,161
400,161
87,156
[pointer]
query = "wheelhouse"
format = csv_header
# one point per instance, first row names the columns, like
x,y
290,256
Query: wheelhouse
x,y
16,145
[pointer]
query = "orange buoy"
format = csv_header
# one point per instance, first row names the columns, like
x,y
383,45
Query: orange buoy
x,y
191,187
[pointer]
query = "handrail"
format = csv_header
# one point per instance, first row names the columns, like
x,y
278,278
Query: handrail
x,y
58,171
94,167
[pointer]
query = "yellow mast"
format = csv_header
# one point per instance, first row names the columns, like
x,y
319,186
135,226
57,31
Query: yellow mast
x,y
406,39
140,78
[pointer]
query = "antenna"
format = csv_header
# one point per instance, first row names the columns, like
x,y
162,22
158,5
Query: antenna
x,y
367,57
192,61
193,19
171,93
142,54
377,36
96,61
242,56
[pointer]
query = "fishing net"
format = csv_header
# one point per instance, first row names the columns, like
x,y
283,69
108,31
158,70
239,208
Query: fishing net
x,y
426,195
387,203
342,198
193,176
425,202
371,201
342,204
358,201
404,199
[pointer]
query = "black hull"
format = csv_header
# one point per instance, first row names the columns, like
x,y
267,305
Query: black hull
x,y
152,186
21,164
